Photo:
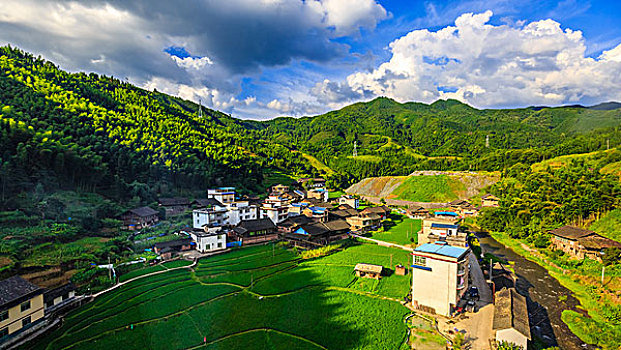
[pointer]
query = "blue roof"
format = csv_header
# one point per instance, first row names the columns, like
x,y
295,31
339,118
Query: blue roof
x,y
443,226
446,213
318,209
442,249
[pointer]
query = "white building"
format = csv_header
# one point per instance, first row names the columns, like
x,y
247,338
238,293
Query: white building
x,y
318,193
208,240
275,208
349,200
241,211
214,215
439,277
224,195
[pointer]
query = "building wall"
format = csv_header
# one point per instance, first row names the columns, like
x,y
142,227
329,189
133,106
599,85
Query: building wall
x,y
16,316
489,203
437,288
210,243
572,248
353,202
512,336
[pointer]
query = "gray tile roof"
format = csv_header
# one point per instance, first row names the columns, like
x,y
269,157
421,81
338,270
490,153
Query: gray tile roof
x,y
510,311
14,288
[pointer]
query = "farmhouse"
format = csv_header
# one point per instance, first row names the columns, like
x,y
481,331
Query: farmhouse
x,y
296,209
580,243
364,222
342,214
349,200
383,211
174,206
21,306
139,218
368,271
464,208
254,231
511,318
417,212
318,193
209,239
446,214
489,200
439,267
292,223
317,234
167,250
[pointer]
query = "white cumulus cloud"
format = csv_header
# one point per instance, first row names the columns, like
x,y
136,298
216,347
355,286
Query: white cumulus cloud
x,y
494,65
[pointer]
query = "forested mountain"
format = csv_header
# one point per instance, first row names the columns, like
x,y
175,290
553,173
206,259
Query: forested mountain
x,y
99,134
395,138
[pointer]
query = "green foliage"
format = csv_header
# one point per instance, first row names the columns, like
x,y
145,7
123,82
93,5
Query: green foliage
x,y
321,251
609,225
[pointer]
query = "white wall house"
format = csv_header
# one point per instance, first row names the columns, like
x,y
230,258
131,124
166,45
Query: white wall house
x,y
439,276
209,240
212,216
241,211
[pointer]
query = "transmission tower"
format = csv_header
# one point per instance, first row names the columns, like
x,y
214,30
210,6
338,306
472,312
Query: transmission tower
x,y
200,110
355,149
487,141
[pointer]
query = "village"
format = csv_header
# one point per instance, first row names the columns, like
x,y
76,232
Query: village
x,y
450,281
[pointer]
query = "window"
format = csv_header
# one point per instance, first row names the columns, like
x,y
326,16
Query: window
x,y
219,244
420,260
4,332
4,315
25,306
26,321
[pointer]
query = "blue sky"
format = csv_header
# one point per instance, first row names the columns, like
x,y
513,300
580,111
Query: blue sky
x,y
264,58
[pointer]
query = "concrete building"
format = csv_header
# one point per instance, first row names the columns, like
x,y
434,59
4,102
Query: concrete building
x,y
275,208
223,195
240,211
349,200
21,306
439,277
511,318
208,240
214,214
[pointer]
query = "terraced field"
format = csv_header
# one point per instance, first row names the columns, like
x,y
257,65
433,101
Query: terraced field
x,y
262,297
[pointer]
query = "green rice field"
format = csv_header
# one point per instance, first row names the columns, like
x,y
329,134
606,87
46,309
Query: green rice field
x,y
262,297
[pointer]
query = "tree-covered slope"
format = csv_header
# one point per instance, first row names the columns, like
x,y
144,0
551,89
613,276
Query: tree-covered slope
x,y
101,134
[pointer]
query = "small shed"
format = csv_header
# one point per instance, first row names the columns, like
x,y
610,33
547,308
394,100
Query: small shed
x,y
369,271
400,270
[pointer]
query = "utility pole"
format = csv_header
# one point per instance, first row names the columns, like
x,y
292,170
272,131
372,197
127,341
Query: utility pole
x,y
109,269
607,144
603,269
355,154
490,269
200,110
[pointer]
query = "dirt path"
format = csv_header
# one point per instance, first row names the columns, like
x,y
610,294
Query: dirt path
x,y
383,243
399,202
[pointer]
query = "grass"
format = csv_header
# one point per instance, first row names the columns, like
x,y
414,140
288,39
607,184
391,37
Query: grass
x,y
251,298
582,278
317,164
399,229
609,225
335,194
367,158
438,188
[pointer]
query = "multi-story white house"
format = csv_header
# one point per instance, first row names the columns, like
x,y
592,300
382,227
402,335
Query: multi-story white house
x,y
275,208
209,239
214,214
224,195
241,211
439,277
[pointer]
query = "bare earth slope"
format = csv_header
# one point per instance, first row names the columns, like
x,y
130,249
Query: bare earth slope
x,y
428,186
